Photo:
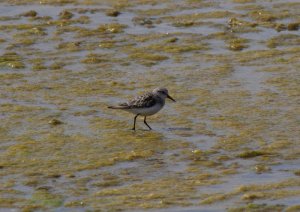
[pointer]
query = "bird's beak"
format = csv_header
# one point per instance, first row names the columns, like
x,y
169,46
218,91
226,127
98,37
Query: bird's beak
x,y
171,98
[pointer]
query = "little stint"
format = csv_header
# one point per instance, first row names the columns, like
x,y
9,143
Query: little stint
x,y
145,105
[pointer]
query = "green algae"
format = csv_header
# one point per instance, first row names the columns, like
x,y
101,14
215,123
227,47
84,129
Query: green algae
x,y
31,13
55,122
150,57
252,192
283,40
280,27
293,208
146,58
107,44
70,46
258,207
243,1
111,28
10,202
95,160
150,193
16,26
184,24
178,48
155,12
251,154
75,204
263,16
147,37
95,58
237,44
65,14
240,26
58,2
12,60
297,172
57,65
45,199
11,76
293,26
108,180
261,168
251,56
277,185
205,15
113,13
252,196
8,18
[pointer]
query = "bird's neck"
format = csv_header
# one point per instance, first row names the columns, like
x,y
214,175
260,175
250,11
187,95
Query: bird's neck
x,y
160,100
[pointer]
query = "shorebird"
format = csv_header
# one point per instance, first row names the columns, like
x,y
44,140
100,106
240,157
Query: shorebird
x,y
145,105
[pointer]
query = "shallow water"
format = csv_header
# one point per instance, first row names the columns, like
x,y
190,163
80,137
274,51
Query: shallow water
x,y
230,142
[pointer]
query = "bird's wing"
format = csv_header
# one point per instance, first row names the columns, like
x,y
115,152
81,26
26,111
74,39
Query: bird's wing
x,y
146,100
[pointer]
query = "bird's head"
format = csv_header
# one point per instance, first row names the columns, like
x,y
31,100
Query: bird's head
x,y
163,93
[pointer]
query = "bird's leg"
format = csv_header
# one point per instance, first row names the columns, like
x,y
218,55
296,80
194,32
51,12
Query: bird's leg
x,y
135,121
147,123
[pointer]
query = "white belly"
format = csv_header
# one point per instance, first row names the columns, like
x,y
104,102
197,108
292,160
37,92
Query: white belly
x,y
146,111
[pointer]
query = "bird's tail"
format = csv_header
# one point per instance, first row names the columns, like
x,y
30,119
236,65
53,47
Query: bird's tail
x,y
116,107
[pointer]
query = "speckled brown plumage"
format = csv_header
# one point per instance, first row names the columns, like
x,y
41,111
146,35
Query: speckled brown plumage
x,y
144,101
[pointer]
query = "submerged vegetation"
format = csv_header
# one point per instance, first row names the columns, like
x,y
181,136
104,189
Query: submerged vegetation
x,y
230,141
